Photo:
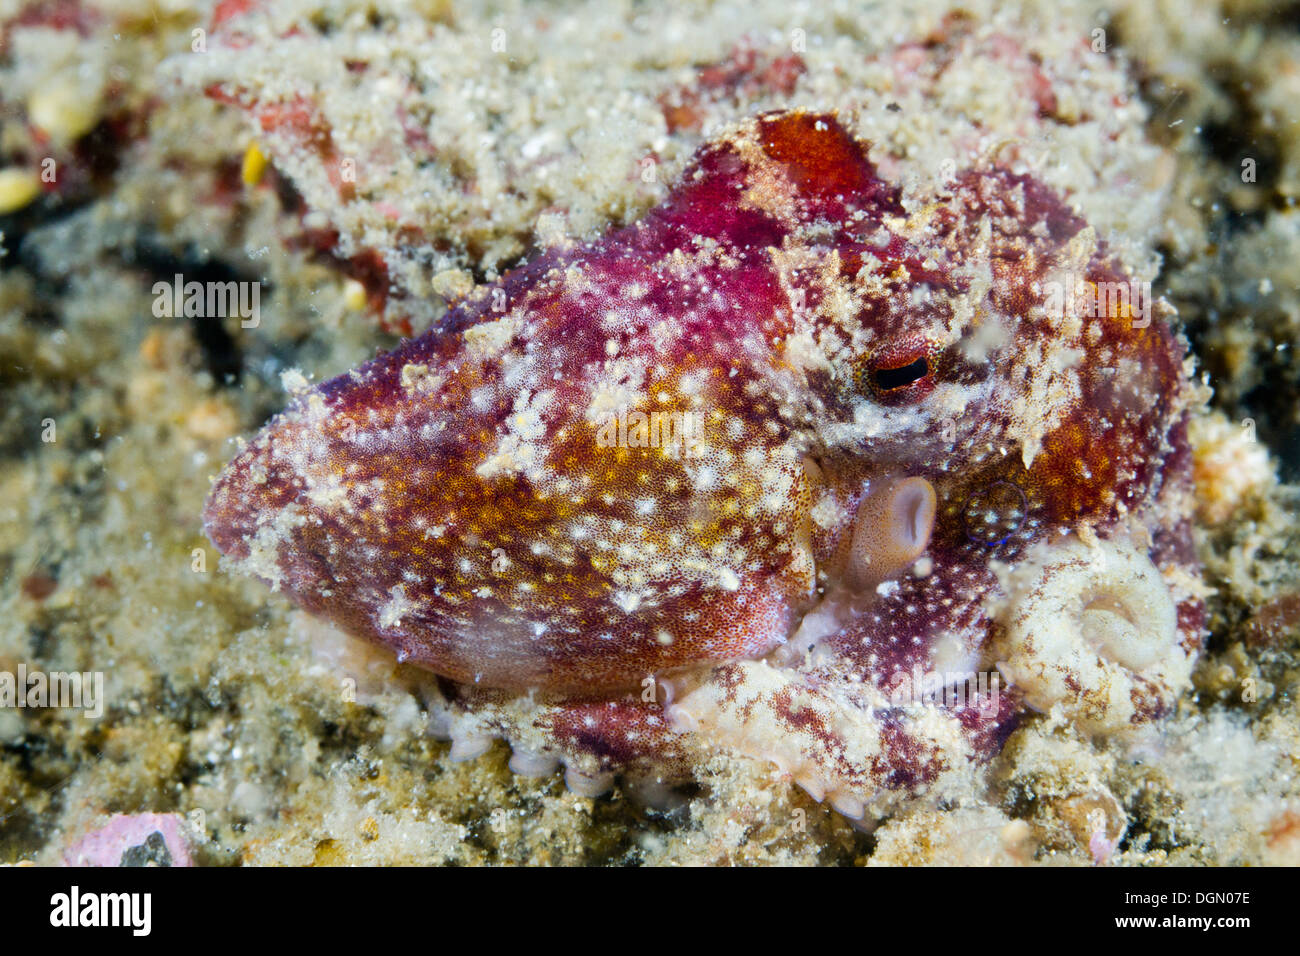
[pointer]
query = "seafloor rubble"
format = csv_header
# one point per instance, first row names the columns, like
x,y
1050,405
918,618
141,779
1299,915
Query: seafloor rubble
x,y
482,135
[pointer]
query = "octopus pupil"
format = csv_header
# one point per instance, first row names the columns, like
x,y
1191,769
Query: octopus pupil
x,y
888,379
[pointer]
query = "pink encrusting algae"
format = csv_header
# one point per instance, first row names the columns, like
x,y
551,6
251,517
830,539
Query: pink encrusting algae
x,y
134,839
789,467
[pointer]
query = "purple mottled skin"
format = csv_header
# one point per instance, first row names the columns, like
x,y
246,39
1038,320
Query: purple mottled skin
x,y
735,475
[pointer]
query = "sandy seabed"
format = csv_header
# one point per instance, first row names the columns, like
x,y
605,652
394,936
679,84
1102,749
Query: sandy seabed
x,y
223,705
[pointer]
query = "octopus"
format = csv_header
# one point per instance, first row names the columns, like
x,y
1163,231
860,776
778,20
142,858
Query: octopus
x,y
796,467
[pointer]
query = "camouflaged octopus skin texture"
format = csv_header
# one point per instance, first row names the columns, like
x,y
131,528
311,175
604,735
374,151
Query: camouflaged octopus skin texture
x,y
781,469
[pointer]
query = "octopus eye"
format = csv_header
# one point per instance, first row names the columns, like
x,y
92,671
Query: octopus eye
x,y
888,379
903,372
